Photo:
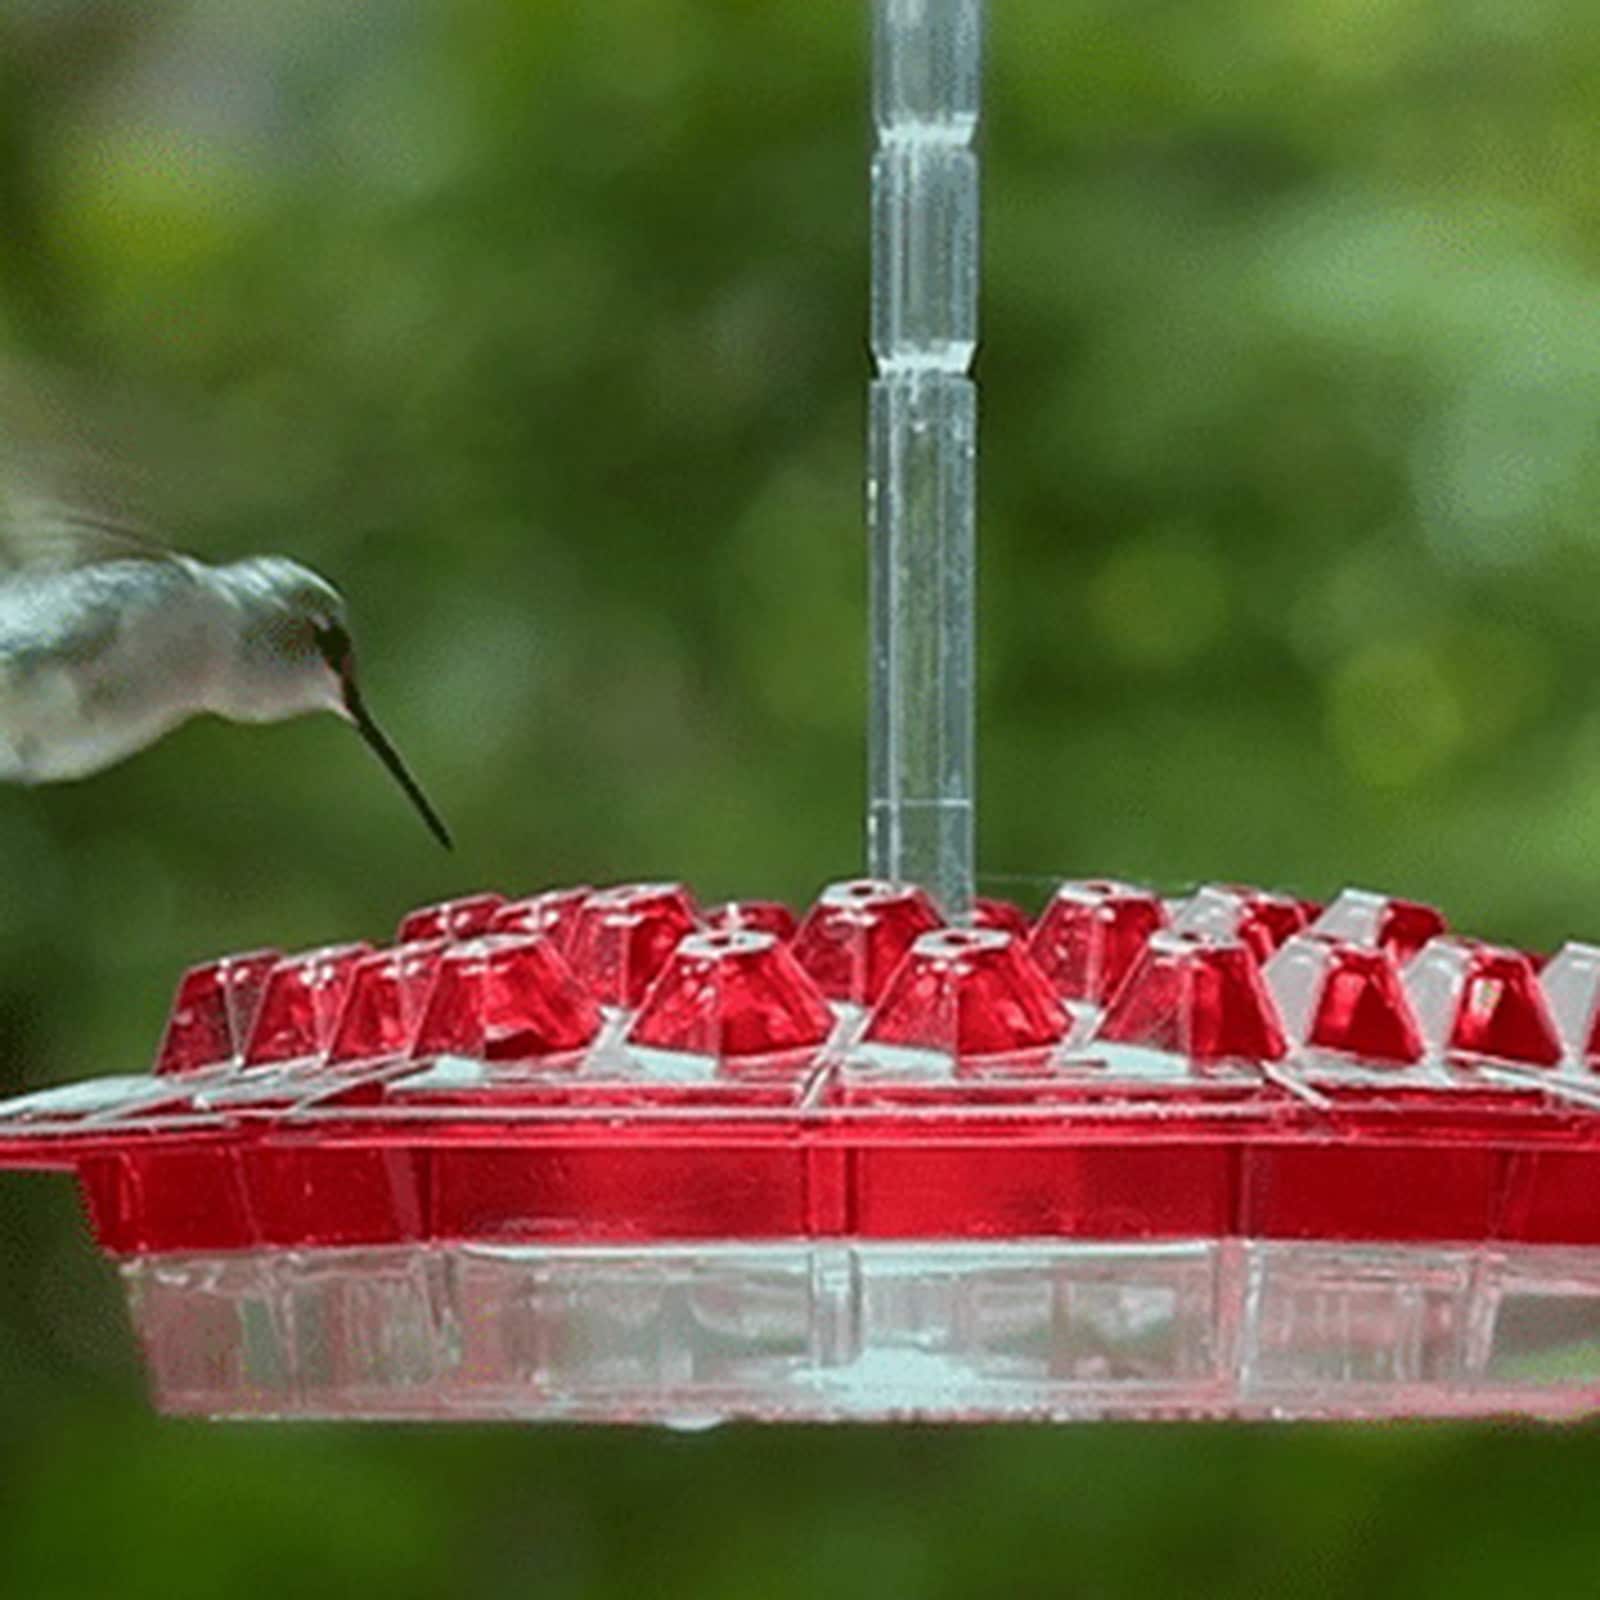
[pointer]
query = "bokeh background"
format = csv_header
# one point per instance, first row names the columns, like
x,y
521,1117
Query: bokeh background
x,y
540,328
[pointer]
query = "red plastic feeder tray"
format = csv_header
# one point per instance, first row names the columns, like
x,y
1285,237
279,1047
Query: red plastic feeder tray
x,y
593,1154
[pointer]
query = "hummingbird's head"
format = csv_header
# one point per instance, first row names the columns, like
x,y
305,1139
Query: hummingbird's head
x,y
292,651
294,655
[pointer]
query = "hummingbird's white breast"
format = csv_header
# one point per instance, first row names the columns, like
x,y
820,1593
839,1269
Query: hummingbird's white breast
x,y
100,661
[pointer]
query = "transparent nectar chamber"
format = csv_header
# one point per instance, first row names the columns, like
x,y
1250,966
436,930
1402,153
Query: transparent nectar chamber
x,y
610,1154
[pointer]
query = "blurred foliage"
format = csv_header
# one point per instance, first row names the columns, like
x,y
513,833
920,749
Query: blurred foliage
x,y
540,329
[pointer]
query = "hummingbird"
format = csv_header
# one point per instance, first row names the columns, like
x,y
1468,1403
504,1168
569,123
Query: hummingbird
x,y
109,640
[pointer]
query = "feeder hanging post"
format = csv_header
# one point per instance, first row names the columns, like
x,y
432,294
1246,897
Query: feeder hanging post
x,y
923,445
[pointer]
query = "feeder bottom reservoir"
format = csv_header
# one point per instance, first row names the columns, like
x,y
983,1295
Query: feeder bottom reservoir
x,y
694,1335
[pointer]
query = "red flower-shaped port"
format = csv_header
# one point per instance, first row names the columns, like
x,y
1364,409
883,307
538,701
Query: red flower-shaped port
x,y
1476,999
857,933
623,937
213,1011
968,992
506,997
752,916
301,1004
1401,927
1090,935
1199,998
464,918
1000,915
553,913
1229,911
389,991
732,995
1344,997
1571,983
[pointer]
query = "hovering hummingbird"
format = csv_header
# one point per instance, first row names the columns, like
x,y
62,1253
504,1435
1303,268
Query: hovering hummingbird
x,y
108,640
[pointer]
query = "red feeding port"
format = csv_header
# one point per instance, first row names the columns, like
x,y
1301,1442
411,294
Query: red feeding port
x,y
1227,911
856,934
300,1008
1000,915
753,916
388,993
553,913
1478,999
1199,998
213,1011
1091,933
1571,983
1401,927
968,992
465,918
623,937
1337,996
732,994
506,997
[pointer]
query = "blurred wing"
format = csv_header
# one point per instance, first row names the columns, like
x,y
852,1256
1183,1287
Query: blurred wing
x,y
44,530
64,503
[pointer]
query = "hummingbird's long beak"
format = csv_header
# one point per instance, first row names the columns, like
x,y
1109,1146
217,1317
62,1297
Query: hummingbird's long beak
x,y
390,757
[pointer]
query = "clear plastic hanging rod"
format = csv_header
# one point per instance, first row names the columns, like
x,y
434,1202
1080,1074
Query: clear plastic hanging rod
x,y
923,445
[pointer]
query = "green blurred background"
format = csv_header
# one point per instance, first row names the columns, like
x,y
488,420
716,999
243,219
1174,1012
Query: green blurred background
x,y
540,328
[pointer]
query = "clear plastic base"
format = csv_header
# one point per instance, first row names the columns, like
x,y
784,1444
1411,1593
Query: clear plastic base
x,y
695,1335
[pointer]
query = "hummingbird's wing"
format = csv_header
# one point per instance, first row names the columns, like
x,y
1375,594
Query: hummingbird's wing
x,y
43,529
64,501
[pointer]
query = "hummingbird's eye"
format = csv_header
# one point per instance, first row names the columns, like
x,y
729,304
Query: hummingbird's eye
x,y
333,644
